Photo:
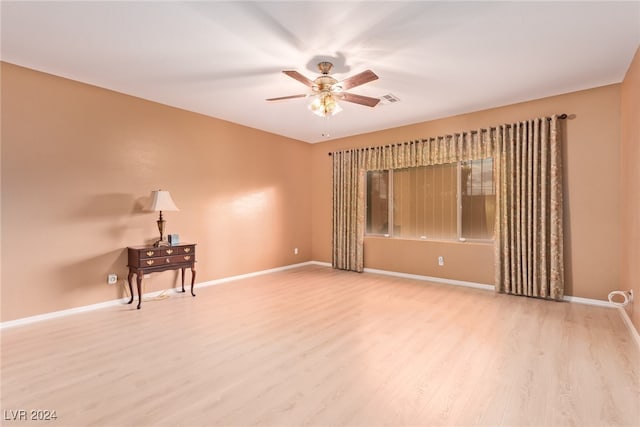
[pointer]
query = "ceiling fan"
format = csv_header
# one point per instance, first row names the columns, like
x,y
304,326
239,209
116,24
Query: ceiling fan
x,y
327,90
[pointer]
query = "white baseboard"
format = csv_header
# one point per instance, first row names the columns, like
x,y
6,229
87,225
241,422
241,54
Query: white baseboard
x,y
475,285
579,300
431,279
632,329
323,264
54,314
83,309
121,301
588,301
248,275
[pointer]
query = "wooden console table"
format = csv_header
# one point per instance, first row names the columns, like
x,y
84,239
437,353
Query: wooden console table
x,y
150,259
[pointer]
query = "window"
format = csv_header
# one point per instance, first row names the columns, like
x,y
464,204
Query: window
x,y
378,202
478,204
449,201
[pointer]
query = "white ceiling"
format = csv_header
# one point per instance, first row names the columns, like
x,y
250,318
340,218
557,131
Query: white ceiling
x,y
223,59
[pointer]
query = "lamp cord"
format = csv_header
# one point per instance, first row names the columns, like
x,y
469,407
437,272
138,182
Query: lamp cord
x,y
162,295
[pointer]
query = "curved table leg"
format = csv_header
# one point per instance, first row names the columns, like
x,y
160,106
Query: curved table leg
x,y
130,286
193,278
139,281
182,279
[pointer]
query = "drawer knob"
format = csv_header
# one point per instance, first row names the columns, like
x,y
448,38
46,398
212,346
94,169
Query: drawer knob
x,y
187,250
169,251
187,257
150,262
168,260
149,253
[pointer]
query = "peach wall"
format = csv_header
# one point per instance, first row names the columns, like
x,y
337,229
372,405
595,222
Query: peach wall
x,y
592,197
630,188
78,163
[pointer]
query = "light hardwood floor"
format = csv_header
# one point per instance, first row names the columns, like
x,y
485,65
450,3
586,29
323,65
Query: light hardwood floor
x,y
315,346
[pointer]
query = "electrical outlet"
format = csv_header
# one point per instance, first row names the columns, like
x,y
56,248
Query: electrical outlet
x,y
440,261
295,251
112,279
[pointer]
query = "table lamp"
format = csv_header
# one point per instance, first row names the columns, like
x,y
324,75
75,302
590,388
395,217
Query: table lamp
x,y
162,201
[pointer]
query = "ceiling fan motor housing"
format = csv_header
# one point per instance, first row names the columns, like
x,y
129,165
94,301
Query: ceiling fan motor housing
x,y
325,67
324,84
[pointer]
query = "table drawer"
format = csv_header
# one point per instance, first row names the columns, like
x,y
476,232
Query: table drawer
x,y
187,250
150,257
167,251
176,259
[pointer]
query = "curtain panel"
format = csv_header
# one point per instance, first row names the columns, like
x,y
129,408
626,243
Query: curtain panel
x,y
348,210
529,227
528,179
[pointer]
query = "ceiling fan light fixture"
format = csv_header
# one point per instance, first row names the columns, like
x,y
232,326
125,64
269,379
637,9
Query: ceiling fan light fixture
x,y
325,105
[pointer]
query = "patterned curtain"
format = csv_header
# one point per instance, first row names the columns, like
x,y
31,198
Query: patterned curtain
x,y
528,178
432,151
348,210
528,240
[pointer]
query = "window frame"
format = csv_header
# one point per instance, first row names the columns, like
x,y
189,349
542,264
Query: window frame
x,y
390,199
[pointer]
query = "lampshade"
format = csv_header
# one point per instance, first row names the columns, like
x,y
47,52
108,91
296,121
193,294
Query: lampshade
x,y
162,201
325,104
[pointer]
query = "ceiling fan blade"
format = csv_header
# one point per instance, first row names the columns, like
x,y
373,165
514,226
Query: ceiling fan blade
x,y
359,99
281,98
358,79
299,77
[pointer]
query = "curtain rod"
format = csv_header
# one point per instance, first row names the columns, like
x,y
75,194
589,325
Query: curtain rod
x,y
560,116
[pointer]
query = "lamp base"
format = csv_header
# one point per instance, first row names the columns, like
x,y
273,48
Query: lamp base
x,y
161,243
